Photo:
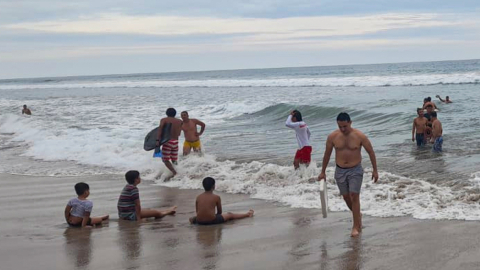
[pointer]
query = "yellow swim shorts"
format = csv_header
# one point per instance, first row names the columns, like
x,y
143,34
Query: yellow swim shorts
x,y
194,145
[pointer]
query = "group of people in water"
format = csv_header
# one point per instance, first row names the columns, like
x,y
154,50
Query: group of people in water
x,y
346,141
427,128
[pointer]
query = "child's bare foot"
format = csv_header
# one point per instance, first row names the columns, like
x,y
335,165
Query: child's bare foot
x,y
355,232
250,213
171,211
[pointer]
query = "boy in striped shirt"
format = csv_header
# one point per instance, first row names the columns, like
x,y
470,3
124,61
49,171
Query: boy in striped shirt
x,y
129,207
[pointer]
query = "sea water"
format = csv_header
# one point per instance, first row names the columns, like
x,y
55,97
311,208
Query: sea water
x,y
96,125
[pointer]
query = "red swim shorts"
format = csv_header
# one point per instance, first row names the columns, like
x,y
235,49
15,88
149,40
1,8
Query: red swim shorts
x,y
170,150
304,154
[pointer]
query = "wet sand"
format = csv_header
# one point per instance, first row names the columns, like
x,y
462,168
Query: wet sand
x,y
35,236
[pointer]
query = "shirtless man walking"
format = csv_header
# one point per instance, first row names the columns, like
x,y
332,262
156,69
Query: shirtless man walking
x,y
348,143
419,127
170,148
192,136
437,133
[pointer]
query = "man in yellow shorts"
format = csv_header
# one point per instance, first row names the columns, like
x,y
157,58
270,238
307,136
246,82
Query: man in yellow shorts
x,y
192,136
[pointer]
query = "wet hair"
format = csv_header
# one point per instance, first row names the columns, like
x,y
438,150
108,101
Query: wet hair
x,y
433,114
429,99
171,112
81,187
343,117
24,105
425,100
130,176
419,109
447,97
208,183
297,115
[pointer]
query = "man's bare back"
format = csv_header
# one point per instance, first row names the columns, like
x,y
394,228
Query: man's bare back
x,y
206,204
176,127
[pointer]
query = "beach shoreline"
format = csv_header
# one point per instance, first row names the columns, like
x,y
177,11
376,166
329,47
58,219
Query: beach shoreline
x,y
34,234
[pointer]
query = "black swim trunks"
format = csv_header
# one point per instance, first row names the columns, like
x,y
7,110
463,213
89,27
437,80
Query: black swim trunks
x,y
218,220
420,138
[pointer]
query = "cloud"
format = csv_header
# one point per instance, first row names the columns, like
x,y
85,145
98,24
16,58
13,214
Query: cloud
x,y
293,26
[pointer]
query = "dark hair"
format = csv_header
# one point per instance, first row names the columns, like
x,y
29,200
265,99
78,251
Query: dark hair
x,y
208,183
297,115
184,112
81,187
130,176
429,98
447,97
425,100
171,112
433,114
24,105
343,116
419,109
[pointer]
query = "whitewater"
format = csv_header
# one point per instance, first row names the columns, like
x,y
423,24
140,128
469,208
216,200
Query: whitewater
x,y
96,124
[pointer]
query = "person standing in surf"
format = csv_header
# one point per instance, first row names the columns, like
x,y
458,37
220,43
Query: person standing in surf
x,y
192,136
437,133
419,128
304,152
348,143
170,148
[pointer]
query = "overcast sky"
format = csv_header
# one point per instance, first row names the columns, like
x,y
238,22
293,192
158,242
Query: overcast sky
x,y
41,38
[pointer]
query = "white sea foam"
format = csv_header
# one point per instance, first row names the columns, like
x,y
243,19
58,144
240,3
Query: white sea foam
x,y
358,81
393,195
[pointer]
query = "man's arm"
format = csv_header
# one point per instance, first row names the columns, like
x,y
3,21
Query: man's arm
x,y
68,208
369,148
219,205
442,100
159,135
326,157
138,209
291,124
202,127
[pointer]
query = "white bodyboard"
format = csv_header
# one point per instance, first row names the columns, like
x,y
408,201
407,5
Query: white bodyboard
x,y
324,197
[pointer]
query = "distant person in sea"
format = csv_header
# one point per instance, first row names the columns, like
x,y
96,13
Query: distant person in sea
x,y
348,143
419,127
437,133
170,148
129,207
207,202
78,210
446,100
26,110
304,152
190,131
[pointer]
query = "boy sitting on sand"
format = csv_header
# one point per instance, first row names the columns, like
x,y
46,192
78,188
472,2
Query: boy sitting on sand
x,y
205,207
129,207
77,211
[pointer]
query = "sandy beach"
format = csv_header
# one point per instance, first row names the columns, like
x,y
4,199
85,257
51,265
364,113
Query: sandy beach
x,y
35,236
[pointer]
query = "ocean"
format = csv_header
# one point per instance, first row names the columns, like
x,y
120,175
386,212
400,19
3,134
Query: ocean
x,y
95,125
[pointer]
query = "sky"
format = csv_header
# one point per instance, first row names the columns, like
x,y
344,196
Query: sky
x,y
48,38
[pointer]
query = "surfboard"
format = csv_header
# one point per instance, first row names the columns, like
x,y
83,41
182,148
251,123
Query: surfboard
x,y
324,197
151,138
